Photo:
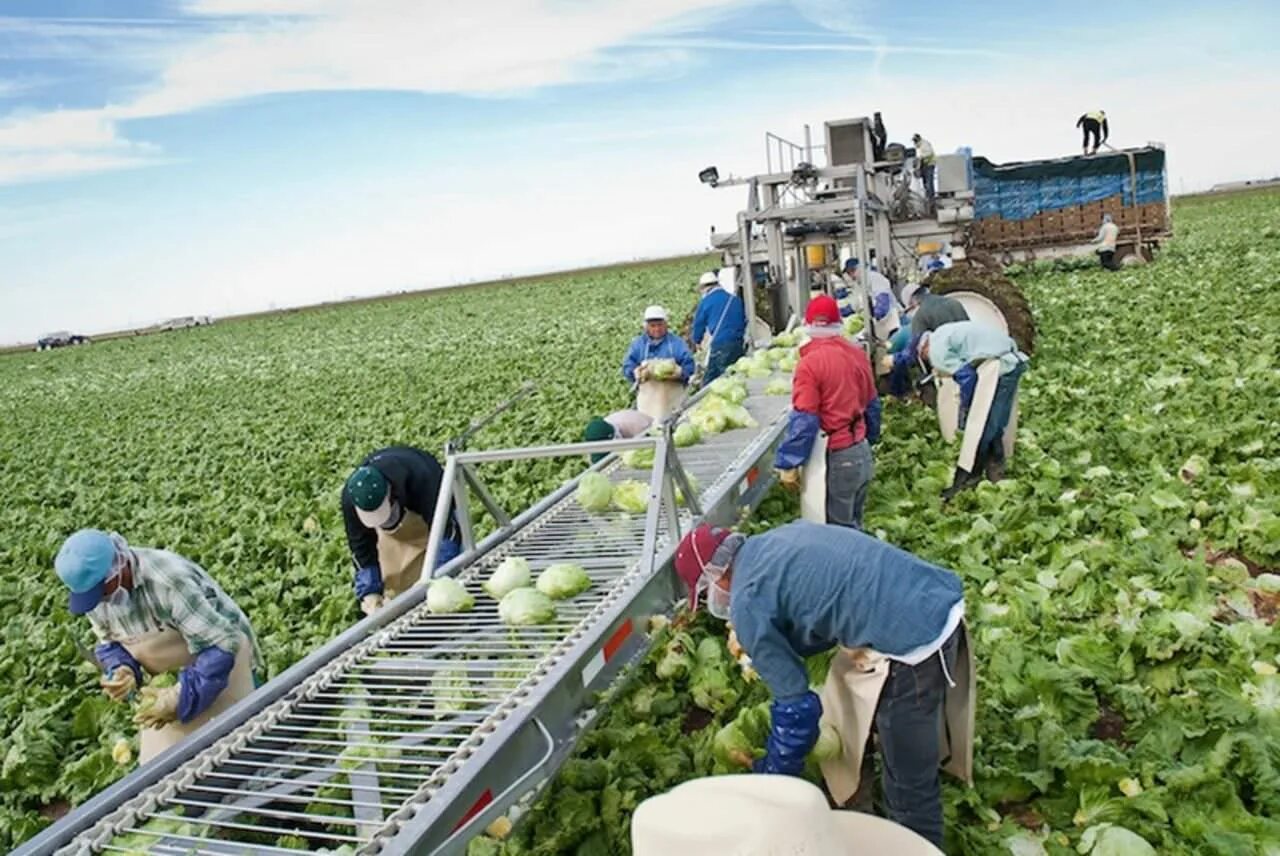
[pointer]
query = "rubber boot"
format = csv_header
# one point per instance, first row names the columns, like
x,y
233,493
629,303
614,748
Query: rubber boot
x,y
995,469
963,481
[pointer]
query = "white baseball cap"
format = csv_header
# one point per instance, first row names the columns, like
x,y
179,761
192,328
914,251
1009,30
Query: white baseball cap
x,y
655,313
708,278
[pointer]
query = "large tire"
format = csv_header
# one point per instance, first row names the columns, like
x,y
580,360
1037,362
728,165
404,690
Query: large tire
x,y
997,288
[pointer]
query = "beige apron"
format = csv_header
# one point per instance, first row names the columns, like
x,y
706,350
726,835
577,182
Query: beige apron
x,y
813,493
166,651
401,553
948,406
657,398
983,397
849,700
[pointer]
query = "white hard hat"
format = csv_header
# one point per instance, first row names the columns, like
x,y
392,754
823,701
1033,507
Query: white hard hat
x,y
655,313
708,278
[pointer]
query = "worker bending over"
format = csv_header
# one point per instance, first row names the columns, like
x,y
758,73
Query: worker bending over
x,y
835,416
903,663
1094,124
1106,238
619,425
927,312
960,345
155,612
719,325
388,504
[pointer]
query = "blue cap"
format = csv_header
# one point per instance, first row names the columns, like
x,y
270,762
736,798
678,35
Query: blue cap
x,y
83,564
850,263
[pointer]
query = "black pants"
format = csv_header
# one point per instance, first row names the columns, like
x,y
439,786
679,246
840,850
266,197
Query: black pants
x,y
1092,126
1108,259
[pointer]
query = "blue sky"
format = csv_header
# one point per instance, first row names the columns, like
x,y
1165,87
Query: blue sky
x,y
176,157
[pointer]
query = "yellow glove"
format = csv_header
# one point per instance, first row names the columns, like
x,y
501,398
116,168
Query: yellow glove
x,y
790,479
120,683
642,373
886,363
158,707
370,603
735,649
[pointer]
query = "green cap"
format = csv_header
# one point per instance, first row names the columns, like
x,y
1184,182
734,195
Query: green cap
x,y
597,430
368,488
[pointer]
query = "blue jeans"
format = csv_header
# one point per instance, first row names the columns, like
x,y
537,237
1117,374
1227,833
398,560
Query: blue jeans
x,y
900,379
991,445
849,474
448,551
723,355
909,719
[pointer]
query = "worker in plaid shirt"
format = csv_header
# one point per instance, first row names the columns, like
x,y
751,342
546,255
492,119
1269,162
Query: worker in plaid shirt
x,y
156,612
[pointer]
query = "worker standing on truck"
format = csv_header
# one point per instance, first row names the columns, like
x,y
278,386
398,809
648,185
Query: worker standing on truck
x,y
835,417
619,425
388,504
1094,124
156,612
720,320
903,662
927,161
1108,232
928,312
951,349
879,137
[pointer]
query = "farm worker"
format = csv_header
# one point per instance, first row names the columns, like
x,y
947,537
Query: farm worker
x,y
619,425
928,312
657,396
884,306
1108,232
927,160
835,417
719,324
903,661
1094,124
156,612
879,137
759,815
388,504
960,345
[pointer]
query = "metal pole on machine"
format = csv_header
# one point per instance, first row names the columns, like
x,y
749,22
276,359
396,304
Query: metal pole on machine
x,y
860,253
744,258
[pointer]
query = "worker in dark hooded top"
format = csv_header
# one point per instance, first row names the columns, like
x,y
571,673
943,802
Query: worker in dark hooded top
x,y
903,662
619,425
388,504
927,312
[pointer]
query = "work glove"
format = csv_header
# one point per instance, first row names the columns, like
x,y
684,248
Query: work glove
x,y
735,648
158,706
370,603
790,479
793,731
886,363
120,684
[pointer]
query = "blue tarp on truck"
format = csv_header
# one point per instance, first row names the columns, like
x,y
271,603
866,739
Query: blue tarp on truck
x,y
1018,191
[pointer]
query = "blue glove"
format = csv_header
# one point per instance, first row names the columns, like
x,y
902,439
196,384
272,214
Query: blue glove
x,y
368,581
872,418
794,731
112,655
845,310
967,378
802,430
841,293
200,682
881,305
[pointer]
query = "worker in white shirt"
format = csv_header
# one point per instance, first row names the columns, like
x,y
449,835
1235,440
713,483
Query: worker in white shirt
x,y
926,158
1106,241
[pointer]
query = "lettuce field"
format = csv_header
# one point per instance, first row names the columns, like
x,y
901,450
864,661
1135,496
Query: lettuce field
x,y
1123,584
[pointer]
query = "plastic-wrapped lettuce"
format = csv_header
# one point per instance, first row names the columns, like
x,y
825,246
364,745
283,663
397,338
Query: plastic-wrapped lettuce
x,y
789,362
563,580
736,416
447,595
708,421
638,459
512,574
664,368
853,324
731,389
631,495
595,492
525,606
785,340
778,386
686,434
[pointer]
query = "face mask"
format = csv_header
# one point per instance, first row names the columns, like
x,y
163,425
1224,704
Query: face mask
x,y
117,598
717,599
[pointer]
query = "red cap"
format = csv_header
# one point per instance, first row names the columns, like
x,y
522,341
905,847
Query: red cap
x,y
694,554
822,310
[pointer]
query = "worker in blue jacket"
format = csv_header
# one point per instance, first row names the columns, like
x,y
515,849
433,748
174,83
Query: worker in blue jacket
x,y
656,343
722,319
804,588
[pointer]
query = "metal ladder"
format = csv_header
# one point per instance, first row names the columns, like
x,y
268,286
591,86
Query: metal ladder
x,y
417,730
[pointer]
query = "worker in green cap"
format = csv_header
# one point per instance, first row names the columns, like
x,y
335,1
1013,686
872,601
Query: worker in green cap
x,y
388,505
619,425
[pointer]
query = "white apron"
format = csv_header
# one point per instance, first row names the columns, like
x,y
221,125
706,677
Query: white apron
x,y
401,553
983,397
813,490
166,651
851,695
657,398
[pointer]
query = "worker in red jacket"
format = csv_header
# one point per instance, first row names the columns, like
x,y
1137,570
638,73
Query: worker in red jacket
x,y
833,395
